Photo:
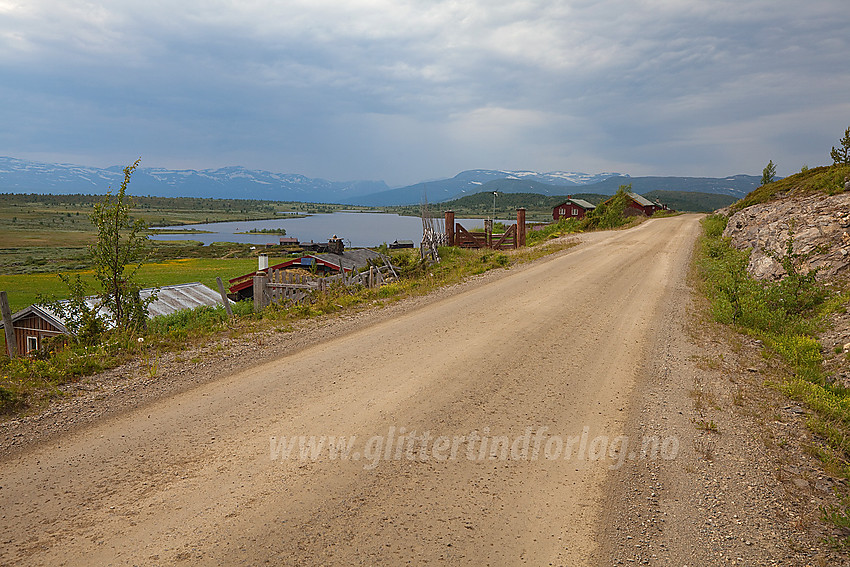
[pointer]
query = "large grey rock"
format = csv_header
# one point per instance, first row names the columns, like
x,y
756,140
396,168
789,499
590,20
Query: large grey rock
x,y
820,224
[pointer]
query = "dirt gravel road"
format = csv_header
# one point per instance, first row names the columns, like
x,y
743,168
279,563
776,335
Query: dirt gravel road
x,y
480,429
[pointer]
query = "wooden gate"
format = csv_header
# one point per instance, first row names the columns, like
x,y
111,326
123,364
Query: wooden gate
x,y
513,237
486,239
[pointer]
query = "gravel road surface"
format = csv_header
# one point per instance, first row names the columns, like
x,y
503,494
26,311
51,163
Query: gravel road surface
x,y
483,427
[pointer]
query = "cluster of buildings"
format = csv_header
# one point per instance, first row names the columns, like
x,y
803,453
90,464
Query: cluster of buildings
x,y
38,323
579,208
34,325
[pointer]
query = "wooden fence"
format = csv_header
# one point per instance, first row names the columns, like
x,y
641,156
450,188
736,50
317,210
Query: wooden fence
x,y
283,287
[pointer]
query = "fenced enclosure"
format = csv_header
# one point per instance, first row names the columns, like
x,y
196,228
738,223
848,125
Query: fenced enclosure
x,y
285,287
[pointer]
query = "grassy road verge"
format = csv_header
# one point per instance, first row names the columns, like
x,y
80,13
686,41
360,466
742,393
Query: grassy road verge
x,y
787,317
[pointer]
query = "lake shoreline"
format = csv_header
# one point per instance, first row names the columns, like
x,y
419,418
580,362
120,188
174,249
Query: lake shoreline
x,y
357,229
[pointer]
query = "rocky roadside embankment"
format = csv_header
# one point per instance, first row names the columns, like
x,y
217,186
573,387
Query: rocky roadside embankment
x,y
820,225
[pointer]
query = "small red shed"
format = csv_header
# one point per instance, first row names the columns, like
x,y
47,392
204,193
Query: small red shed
x,y
33,325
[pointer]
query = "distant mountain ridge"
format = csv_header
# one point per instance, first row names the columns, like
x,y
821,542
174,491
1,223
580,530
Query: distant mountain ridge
x,y
22,176
482,203
734,185
469,183
474,181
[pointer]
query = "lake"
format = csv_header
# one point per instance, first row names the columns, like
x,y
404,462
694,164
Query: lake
x,y
356,229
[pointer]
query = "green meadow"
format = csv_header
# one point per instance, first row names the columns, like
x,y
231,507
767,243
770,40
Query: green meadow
x,y
24,289
43,235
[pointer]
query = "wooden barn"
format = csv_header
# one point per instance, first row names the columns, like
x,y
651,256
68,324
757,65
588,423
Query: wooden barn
x,y
37,323
572,209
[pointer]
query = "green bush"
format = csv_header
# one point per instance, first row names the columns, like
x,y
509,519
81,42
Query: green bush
x,y
786,315
713,226
787,306
200,319
611,213
408,263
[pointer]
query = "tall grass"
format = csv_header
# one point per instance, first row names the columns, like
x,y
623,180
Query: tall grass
x,y
787,316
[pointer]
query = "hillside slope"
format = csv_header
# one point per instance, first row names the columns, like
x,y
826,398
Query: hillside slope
x,y
812,207
443,190
693,202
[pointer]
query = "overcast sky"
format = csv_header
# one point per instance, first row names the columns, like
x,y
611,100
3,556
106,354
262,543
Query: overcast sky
x,y
411,90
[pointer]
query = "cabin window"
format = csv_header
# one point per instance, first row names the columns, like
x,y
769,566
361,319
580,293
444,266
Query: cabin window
x,y
563,211
32,344
575,212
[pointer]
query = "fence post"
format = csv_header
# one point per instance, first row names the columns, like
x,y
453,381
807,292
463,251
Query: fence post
x,y
224,298
260,292
11,345
520,227
450,227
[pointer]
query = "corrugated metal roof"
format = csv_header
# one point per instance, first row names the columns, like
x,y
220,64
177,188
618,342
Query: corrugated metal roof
x,y
169,299
174,298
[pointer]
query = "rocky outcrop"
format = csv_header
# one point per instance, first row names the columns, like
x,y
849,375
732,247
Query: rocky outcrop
x,y
821,230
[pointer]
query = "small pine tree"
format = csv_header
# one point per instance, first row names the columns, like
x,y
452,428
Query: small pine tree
x,y
768,173
842,155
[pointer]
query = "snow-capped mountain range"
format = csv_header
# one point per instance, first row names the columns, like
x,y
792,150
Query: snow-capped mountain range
x,y
23,176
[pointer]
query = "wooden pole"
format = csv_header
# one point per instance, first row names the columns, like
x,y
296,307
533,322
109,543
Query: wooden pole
x,y
224,298
450,227
260,300
520,227
11,345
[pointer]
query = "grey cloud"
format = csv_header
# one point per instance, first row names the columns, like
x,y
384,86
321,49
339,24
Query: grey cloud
x,y
399,90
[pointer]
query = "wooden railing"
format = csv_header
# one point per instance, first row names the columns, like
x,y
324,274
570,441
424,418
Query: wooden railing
x,y
283,287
